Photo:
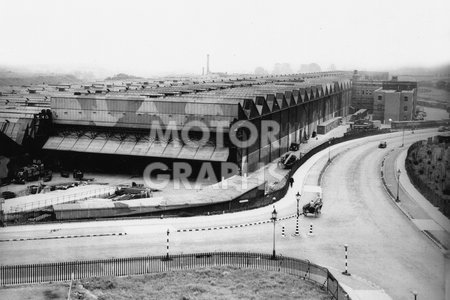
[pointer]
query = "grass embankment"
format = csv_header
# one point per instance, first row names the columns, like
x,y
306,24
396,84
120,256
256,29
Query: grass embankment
x,y
205,283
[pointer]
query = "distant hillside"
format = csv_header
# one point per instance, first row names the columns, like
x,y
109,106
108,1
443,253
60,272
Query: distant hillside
x,y
122,76
39,79
8,77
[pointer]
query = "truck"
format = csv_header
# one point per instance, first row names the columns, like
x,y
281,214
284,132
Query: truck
x,y
32,172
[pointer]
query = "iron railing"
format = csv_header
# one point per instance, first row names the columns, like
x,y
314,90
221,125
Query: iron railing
x,y
64,271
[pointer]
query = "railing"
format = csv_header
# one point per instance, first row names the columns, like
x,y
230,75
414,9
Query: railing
x,y
54,199
51,272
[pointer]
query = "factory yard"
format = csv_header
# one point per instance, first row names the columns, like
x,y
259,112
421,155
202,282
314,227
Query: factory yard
x,y
204,283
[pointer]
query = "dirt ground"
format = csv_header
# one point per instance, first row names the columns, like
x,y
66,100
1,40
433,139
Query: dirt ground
x,y
205,283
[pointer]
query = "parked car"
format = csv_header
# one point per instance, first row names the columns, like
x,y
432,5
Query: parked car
x,y
294,146
65,173
287,160
382,144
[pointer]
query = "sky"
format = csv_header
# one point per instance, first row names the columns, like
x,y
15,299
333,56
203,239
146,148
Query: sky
x,y
159,37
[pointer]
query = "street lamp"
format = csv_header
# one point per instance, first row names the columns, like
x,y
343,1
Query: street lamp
x,y
298,200
329,151
403,138
274,219
398,184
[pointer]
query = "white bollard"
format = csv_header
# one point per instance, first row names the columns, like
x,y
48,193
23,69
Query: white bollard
x,y
346,264
297,233
311,230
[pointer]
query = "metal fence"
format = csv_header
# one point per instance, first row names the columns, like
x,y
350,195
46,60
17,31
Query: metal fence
x,y
52,199
54,272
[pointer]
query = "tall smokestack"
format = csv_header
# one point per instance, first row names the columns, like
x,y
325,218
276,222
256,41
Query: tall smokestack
x,y
207,63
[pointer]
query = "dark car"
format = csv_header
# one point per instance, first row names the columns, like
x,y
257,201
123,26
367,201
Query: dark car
x,y
294,146
382,145
65,174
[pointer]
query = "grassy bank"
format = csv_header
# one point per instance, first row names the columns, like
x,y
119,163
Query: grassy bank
x,y
205,283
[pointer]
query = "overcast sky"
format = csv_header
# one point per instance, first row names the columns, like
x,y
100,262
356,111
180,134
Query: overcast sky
x,y
150,37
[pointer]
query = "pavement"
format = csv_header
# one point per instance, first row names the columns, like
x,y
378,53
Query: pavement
x,y
426,217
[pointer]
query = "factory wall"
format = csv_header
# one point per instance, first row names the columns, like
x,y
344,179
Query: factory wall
x,y
298,119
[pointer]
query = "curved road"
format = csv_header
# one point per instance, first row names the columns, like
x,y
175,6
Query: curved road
x,y
384,247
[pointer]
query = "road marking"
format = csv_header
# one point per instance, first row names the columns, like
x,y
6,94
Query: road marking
x,y
63,237
234,226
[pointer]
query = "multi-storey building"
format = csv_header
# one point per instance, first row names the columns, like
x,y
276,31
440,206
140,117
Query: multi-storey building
x,y
395,100
364,84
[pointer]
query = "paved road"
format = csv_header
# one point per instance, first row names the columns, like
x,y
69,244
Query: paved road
x,y
384,247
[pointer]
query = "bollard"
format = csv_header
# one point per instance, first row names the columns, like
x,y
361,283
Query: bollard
x,y
297,233
311,230
167,246
346,265
282,232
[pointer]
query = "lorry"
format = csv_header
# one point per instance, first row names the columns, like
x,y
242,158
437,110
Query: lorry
x,y
32,172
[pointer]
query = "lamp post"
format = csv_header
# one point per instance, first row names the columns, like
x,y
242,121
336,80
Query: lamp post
x,y
403,137
329,151
274,219
398,184
298,200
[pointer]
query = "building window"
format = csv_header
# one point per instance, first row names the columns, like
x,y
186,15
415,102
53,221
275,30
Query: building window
x,y
405,108
380,97
405,98
362,92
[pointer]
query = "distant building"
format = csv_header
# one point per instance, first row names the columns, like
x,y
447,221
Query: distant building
x,y
362,94
395,100
364,84
370,75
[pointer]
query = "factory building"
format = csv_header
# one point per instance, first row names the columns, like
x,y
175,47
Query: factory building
x,y
198,121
